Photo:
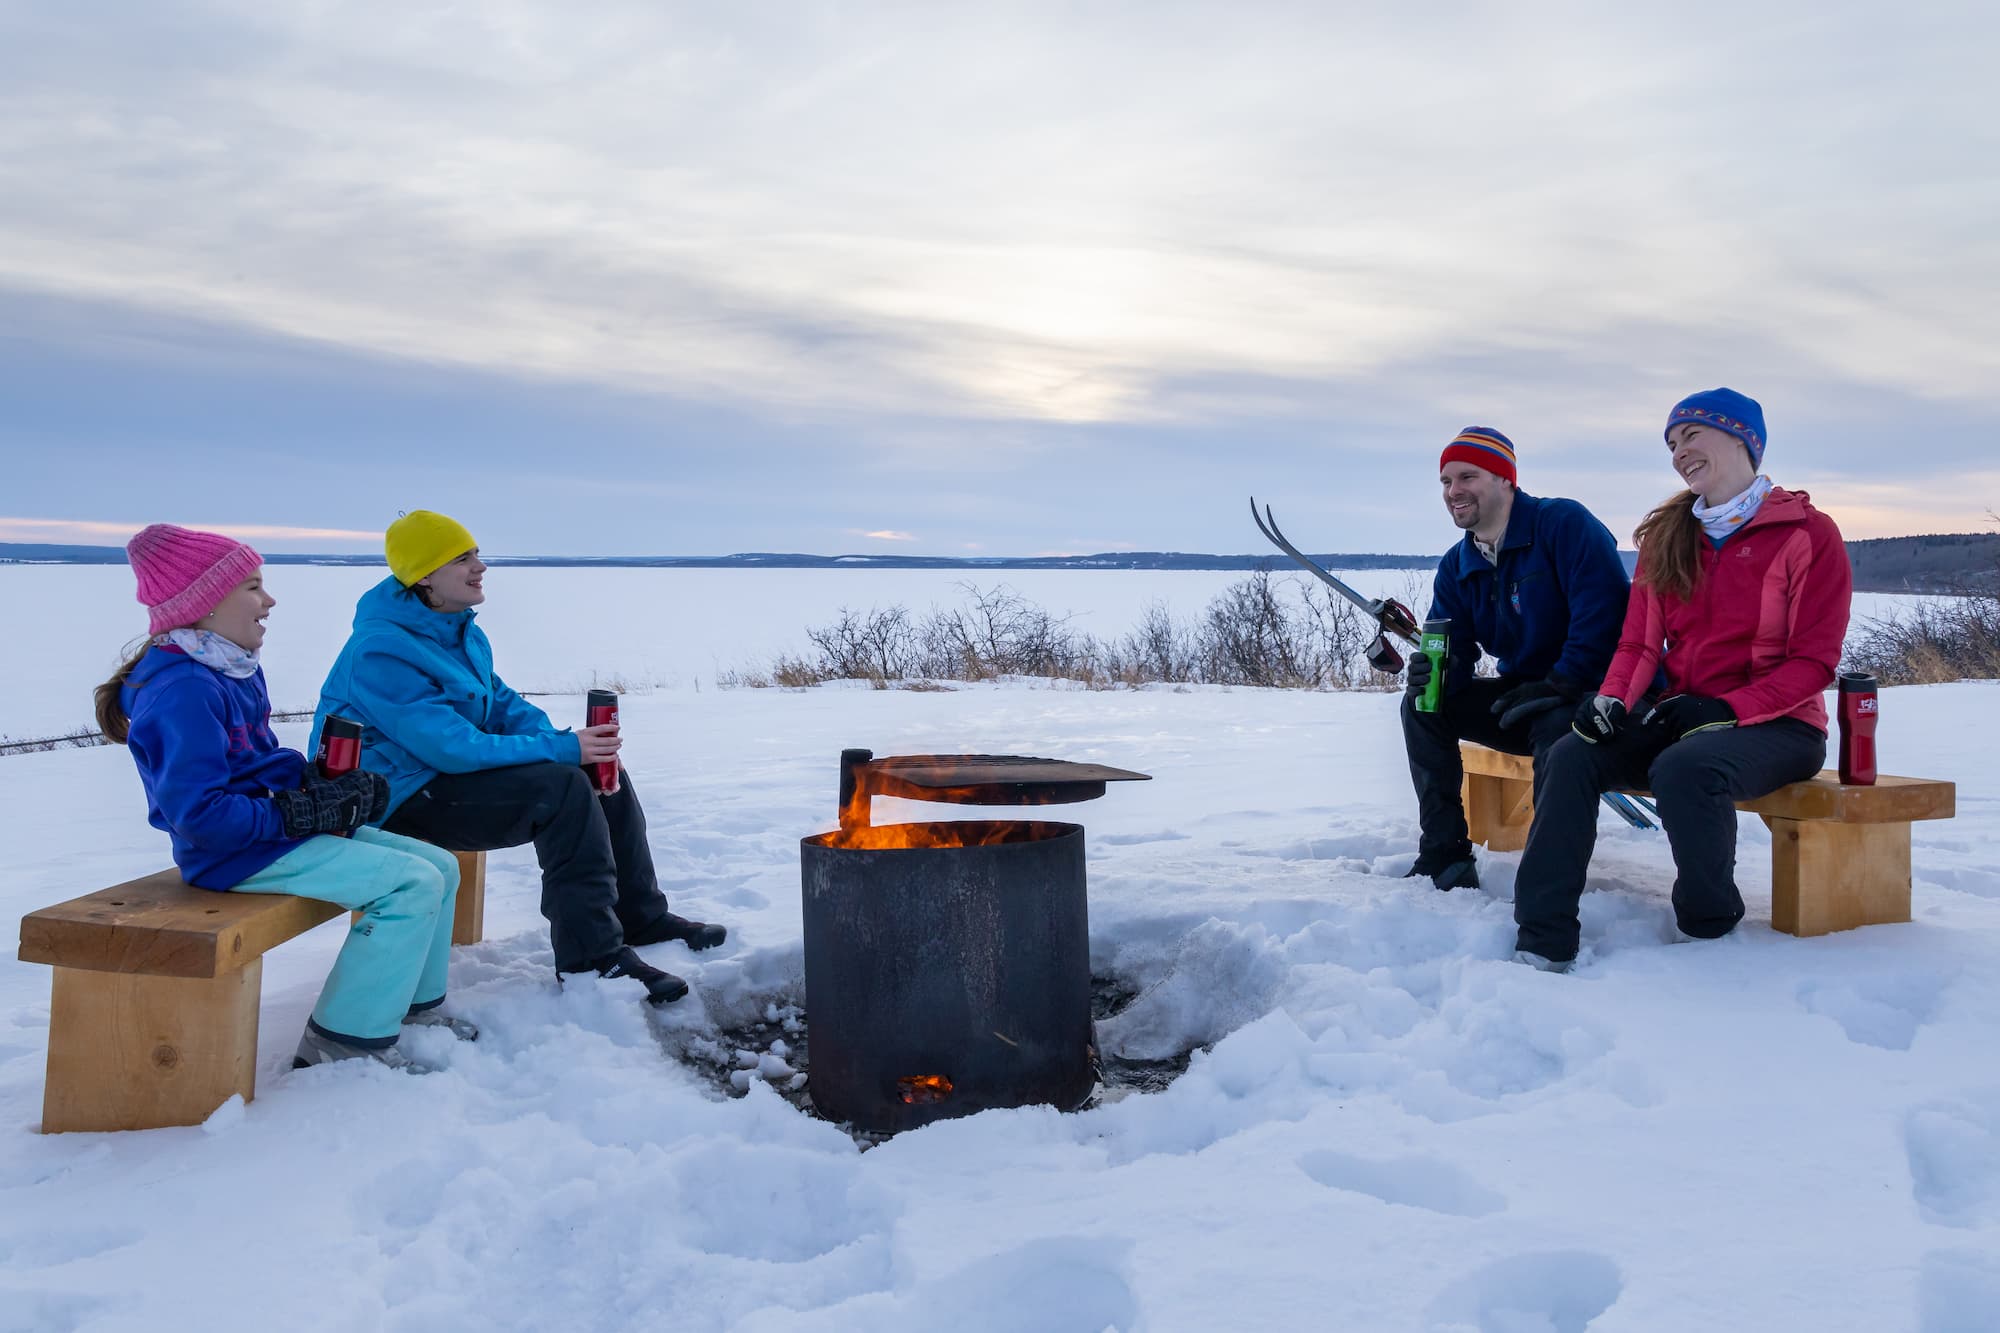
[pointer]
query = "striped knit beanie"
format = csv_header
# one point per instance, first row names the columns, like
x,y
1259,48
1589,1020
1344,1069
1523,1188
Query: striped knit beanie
x,y
1727,411
184,574
1483,447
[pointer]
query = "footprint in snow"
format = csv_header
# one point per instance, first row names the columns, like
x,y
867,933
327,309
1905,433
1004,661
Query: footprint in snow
x,y
1958,1292
1954,1154
1876,1011
1414,1182
50,1249
1560,1291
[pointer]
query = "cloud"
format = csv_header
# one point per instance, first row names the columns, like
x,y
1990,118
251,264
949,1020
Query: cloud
x,y
1042,266
888,535
64,531
839,209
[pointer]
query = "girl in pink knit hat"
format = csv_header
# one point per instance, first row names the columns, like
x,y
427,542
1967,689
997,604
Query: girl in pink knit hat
x,y
247,815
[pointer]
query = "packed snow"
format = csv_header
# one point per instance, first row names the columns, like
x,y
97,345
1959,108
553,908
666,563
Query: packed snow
x,y
1385,1123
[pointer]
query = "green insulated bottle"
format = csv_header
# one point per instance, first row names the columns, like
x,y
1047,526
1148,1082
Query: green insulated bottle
x,y
1436,638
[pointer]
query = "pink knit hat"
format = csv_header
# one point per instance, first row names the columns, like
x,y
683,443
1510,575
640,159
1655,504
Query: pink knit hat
x,y
184,574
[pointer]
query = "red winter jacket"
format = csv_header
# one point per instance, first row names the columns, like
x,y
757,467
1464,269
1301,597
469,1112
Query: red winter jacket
x,y
1763,630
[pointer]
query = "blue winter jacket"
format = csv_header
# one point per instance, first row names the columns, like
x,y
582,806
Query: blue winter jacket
x,y
1551,606
421,685
209,763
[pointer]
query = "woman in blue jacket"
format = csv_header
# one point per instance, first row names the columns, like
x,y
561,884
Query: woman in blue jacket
x,y
473,766
249,816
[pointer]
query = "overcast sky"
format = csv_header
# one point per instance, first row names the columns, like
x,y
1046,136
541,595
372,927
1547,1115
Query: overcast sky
x,y
640,277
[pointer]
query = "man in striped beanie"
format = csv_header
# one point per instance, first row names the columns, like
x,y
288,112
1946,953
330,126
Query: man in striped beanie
x,y
1537,584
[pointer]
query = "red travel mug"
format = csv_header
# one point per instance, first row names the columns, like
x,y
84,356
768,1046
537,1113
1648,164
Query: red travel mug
x,y
1857,728
339,747
599,707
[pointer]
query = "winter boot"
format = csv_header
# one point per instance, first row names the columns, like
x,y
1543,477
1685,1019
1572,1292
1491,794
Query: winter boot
x,y
317,1048
1541,964
699,935
434,1017
661,987
1457,875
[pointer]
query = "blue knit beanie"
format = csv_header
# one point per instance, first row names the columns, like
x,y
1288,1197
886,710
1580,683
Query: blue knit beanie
x,y
1726,410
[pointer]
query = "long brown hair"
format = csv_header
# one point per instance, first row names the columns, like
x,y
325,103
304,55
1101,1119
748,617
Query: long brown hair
x,y
111,719
1669,542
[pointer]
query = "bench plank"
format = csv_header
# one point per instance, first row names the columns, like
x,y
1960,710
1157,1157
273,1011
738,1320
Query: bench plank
x,y
159,926
1891,800
1840,856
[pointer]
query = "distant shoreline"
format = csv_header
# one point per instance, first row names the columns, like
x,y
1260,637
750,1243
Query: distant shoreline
x,y
39,554
1947,564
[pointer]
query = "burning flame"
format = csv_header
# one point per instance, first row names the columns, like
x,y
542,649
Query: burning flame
x,y
923,1089
966,833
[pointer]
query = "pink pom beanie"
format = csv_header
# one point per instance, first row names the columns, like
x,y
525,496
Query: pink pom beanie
x,y
184,574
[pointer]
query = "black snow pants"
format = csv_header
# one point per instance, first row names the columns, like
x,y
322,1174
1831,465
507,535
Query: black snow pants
x,y
1696,782
1435,770
597,869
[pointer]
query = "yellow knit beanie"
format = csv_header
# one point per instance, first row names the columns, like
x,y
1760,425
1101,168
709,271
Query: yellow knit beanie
x,y
421,542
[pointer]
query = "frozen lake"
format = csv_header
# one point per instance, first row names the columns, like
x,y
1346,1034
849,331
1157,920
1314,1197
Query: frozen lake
x,y
560,630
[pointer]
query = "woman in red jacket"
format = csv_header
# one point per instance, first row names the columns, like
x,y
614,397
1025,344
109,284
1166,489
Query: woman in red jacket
x,y
1740,603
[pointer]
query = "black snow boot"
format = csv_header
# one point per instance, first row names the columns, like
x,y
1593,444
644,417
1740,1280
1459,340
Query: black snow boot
x,y
1457,875
661,987
699,935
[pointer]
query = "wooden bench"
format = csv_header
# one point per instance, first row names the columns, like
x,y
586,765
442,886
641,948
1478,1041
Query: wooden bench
x,y
153,1008
1840,856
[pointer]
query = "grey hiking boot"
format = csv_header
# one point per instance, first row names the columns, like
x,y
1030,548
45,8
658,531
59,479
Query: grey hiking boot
x,y
1541,964
317,1048
434,1017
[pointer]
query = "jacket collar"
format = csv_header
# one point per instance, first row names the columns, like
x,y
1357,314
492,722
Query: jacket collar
x,y
389,603
1780,506
1520,532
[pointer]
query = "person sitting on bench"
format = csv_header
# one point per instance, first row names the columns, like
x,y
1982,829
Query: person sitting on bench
x,y
249,816
472,766
1537,583
1742,598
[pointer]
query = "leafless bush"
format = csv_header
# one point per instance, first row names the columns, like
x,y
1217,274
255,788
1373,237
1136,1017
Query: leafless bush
x,y
1259,631
1930,641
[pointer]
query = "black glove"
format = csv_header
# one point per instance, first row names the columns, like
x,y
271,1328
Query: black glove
x,y
1682,715
1419,676
333,805
1600,718
1524,703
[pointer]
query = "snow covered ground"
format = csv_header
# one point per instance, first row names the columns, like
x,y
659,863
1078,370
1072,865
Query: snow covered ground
x,y
1390,1128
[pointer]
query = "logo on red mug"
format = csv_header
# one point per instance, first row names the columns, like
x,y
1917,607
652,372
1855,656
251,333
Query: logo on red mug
x,y
1865,706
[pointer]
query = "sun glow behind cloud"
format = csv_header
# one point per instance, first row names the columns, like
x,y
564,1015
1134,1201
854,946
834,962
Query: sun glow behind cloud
x,y
822,209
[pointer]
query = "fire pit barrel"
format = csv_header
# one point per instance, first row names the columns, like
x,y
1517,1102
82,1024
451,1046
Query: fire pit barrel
x,y
947,979
948,964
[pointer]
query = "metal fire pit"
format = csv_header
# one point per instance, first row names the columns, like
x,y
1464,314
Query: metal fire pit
x,y
944,980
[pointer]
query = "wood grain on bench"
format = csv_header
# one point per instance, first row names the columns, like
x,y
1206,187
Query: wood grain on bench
x,y
159,926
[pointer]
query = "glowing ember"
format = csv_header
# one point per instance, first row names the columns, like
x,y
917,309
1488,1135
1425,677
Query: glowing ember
x,y
923,1089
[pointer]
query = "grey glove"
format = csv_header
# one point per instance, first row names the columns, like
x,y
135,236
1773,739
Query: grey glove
x,y
333,805
1600,718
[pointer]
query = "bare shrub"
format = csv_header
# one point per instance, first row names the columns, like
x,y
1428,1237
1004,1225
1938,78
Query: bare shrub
x,y
1259,631
1931,641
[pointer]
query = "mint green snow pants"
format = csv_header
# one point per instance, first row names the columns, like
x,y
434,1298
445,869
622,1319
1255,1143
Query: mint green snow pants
x,y
393,962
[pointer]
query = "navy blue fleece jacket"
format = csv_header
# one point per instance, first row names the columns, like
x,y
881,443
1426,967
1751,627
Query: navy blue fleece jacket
x,y
1551,606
